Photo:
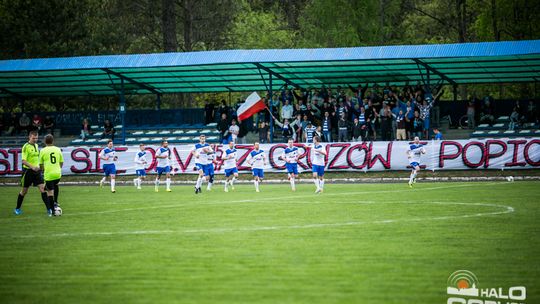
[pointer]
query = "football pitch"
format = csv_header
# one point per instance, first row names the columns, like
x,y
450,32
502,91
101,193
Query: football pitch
x,y
355,243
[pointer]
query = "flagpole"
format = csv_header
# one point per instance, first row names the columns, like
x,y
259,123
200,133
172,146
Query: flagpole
x,y
271,113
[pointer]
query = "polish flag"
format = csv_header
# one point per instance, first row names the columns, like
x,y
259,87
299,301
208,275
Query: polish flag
x,y
254,103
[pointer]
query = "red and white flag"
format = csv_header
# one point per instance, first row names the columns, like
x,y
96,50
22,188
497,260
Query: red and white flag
x,y
254,103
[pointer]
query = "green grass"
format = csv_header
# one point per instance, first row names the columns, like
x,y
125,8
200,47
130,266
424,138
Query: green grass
x,y
356,243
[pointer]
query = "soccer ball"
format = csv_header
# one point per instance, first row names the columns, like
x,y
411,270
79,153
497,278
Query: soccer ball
x,y
510,178
57,211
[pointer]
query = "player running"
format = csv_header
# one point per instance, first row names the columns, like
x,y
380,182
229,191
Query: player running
x,y
317,159
229,164
163,159
257,160
31,172
140,166
201,151
290,156
210,168
51,161
108,158
416,149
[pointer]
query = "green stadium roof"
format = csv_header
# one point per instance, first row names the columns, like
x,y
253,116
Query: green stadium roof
x,y
248,70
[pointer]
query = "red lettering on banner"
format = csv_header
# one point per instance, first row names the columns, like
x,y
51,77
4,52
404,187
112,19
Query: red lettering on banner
x,y
4,162
490,155
526,153
442,149
271,156
332,163
373,160
303,155
244,156
97,166
183,165
360,147
217,160
153,160
514,162
15,168
81,159
466,161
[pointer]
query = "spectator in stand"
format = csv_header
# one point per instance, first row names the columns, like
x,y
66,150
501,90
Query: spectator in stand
x,y
362,119
409,117
418,125
24,123
208,112
297,128
108,130
286,111
401,126
343,126
85,129
223,127
514,119
12,125
438,134
471,112
309,132
386,124
486,115
318,132
264,132
327,127
532,112
37,123
234,130
357,129
224,108
371,115
48,124
287,130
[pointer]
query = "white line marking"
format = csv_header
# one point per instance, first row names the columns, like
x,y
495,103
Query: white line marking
x,y
506,210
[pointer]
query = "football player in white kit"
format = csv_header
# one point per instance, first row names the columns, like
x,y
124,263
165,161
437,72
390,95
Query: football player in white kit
x,y
163,158
201,151
257,160
229,165
140,164
318,154
415,151
290,156
108,158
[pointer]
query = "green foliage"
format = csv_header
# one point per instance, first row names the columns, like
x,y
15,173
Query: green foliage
x,y
56,28
261,30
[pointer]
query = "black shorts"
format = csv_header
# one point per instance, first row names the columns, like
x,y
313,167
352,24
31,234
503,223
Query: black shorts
x,y
49,185
31,178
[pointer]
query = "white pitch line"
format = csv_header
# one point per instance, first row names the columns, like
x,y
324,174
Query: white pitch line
x,y
257,201
506,210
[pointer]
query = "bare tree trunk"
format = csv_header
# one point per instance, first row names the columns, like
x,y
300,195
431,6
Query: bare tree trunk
x,y
462,24
496,33
170,42
188,26
381,21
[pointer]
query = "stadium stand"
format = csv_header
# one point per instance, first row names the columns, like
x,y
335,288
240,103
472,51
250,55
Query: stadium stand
x,y
153,134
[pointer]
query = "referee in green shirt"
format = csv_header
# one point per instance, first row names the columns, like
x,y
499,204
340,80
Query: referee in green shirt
x,y
31,171
51,161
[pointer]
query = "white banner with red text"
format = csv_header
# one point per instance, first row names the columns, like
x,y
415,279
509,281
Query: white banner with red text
x,y
347,156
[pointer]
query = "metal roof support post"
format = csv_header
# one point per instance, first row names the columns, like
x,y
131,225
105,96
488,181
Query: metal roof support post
x,y
158,107
271,106
123,110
